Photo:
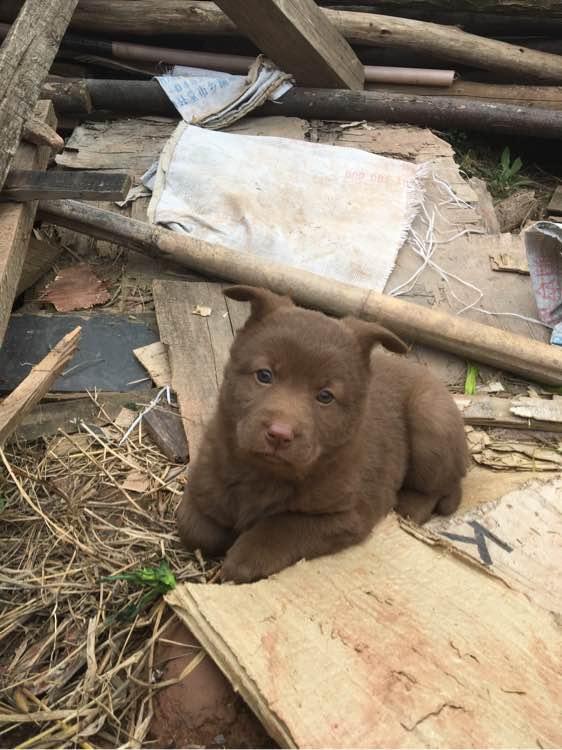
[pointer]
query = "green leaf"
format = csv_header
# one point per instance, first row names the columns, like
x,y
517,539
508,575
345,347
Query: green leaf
x,y
505,158
160,577
152,582
3,503
515,167
471,379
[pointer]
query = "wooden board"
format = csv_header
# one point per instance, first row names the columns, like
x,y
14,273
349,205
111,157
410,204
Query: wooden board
x,y
554,208
519,414
165,427
198,346
154,358
16,222
297,36
392,644
26,56
543,410
47,418
39,260
27,185
125,145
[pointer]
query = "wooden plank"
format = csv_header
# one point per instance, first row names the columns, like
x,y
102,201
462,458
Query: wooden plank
x,y
29,185
16,222
300,39
554,208
539,409
25,58
154,358
485,205
165,427
126,145
393,644
516,414
47,418
39,259
198,348
544,97
36,384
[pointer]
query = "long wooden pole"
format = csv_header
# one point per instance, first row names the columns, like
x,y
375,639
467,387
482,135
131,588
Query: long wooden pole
x,y
543,97
499,7
448,43
444,42
475,341
148,98
25,58
428,111
525,21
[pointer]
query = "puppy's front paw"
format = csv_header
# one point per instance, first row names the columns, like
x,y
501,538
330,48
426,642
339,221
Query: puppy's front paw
x,y
200,532
246,562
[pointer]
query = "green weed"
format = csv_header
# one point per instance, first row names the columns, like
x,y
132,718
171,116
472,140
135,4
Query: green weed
x,y
153,582
471,379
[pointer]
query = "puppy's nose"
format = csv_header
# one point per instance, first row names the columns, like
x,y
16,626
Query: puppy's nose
x,y
279,434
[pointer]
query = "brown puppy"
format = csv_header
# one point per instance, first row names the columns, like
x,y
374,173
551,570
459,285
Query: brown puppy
x,y
314,440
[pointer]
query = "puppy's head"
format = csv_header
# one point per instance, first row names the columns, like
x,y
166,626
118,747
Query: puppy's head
x,y
295,386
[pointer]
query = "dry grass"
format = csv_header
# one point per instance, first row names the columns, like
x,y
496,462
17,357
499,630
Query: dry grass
x,y
72,673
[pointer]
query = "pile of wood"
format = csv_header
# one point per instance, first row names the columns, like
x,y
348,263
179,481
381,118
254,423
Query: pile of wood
x,y
507,82
81,119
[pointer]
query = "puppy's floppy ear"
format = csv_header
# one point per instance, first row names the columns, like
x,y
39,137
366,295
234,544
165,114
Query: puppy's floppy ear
x,y
369,334
262,301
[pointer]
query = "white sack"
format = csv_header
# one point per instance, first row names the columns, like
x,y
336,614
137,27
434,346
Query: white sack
x,y
339,212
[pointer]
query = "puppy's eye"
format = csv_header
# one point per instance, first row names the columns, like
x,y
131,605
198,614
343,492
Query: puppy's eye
x,y
265,377
325,396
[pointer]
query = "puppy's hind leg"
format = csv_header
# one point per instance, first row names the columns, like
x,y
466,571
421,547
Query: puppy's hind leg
x,y
448,504
438,456
415,506
418,507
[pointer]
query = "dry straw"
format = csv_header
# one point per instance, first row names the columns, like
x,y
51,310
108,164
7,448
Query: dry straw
x,y
72,674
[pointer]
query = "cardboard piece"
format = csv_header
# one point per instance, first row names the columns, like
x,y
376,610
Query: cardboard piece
x,y
388,644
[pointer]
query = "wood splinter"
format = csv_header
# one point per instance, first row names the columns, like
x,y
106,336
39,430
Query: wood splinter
x,y
31,390
40,134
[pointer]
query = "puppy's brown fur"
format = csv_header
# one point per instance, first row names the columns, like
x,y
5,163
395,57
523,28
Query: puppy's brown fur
x,y
285,472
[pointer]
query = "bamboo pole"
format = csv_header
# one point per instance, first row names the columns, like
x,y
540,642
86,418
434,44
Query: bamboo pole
x,y
475,341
